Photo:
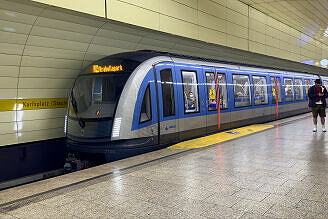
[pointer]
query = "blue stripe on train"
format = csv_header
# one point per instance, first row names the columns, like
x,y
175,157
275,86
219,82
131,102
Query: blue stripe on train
x,y
178,67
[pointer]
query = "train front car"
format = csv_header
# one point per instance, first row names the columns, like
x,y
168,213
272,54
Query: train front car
x,y
93,103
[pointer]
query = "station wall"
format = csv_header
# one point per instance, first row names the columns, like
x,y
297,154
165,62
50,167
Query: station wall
x,y
225,22
44,47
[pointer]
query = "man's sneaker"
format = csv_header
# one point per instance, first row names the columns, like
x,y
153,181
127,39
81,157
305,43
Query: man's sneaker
x,y
323,129
314,129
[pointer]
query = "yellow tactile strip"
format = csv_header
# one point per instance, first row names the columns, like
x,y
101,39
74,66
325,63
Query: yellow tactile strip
x,y
220,137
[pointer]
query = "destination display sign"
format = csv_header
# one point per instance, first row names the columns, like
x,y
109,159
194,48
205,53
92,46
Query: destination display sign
x,y
106,68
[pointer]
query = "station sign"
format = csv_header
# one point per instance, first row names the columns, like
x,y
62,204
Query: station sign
x,y
33,104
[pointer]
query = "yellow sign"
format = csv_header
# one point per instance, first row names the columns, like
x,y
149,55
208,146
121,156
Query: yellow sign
x,y
32,104
106,68
273,91
212,94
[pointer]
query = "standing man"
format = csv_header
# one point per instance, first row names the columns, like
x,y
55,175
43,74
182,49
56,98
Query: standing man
x,y
317,96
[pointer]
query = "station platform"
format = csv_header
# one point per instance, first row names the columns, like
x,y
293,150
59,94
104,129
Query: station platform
x,y
278,170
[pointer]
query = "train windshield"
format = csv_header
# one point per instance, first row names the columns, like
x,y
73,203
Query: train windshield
x,y
96,96
96,92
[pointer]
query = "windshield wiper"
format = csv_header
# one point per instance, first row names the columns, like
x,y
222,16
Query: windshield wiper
x,y
74,105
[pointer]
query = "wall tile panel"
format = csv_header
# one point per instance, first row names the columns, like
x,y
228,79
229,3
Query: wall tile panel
x,y
9,71
46,83
150,41
8,93
238,7
212,8
178,27
8,139
50,62
44,124
14,27
61,34
177,10
289,47
39,135
114,43
212,36
65,25
146,4
117,34
43,93
32,115
236,30
16,17
8,82
105,50
7,116
145,18
236,42
212,22
57,43
11,49
272,23
221,2
237,18
38,51
14,38
269,31
271,41
94,7
18,7
257,15
36,72
7,128
256,36
9,59
257,25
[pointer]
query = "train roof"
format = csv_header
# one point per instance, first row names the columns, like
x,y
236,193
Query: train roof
x,y
143,55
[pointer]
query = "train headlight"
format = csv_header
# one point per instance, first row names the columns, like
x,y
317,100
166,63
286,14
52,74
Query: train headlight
x,y
116,127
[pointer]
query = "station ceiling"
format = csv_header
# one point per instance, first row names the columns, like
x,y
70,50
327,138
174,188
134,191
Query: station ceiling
x,y
307,16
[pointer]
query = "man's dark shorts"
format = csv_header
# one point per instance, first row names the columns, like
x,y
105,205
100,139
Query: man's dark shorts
x,y
319,110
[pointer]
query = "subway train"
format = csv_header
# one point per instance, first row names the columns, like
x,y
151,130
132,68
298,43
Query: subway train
x,y
138,101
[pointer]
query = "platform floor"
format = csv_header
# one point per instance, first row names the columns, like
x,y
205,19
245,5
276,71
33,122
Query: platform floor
x,y
281,172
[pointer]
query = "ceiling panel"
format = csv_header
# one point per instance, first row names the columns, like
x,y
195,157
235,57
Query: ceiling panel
x,y
307,16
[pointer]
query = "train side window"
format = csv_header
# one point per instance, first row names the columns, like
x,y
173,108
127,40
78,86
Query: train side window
x,y
167,92
325,83
190,91
289,91
260,90
299,95
211,91
242,90
145,112
274,91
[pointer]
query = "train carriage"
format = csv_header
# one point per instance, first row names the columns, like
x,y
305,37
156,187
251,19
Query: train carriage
x,y
138,101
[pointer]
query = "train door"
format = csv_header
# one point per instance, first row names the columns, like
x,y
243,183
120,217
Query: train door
x,y
192,110
325,83
167,103
216,94
276,95
307,84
